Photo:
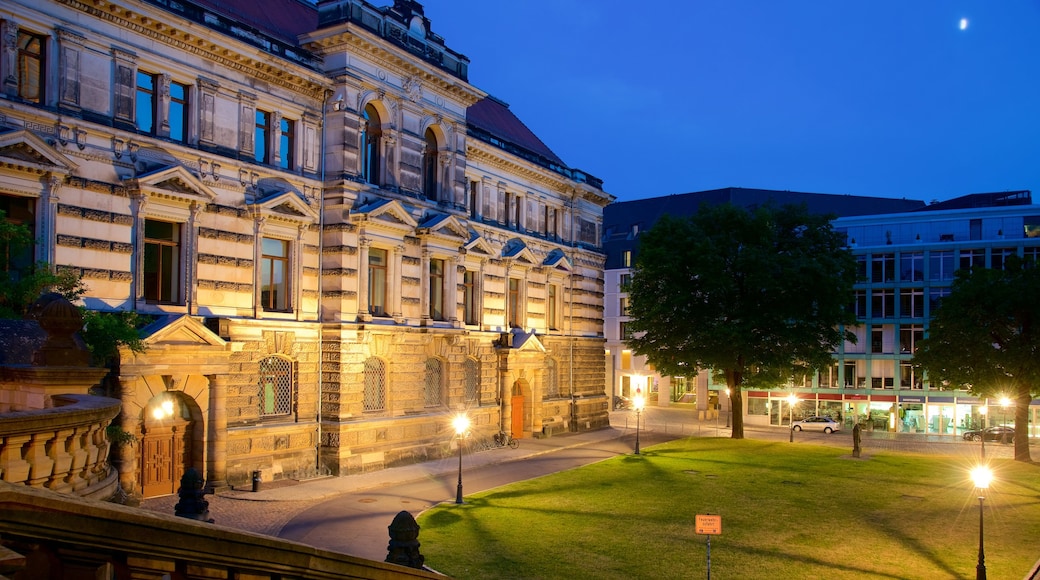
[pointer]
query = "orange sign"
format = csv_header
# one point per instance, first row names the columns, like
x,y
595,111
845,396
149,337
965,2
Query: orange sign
x,y
709,525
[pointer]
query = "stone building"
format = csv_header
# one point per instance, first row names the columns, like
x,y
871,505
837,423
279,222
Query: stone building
x,y
341,241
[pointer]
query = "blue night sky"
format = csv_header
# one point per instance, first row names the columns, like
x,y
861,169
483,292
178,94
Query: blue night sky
x,y
884,98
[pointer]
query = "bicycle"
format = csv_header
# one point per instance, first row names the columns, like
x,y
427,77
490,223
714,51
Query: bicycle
x,y
502,439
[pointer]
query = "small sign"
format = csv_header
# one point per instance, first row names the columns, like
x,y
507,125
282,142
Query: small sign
x,y
710,525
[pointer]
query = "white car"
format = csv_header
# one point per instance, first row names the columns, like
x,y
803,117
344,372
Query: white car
x,y
825,424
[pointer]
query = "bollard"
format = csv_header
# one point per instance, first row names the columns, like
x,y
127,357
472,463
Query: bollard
x,y
256,480
404,542
191,504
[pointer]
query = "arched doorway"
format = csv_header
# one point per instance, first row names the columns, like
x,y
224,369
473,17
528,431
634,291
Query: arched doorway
x,y
166,444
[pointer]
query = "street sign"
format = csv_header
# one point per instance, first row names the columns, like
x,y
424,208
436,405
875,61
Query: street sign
x,y
710,525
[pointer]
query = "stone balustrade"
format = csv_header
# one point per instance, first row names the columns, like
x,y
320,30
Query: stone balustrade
x,y
63,448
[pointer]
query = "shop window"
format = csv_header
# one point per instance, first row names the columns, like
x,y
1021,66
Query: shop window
x,y
162,262
277,386
274,275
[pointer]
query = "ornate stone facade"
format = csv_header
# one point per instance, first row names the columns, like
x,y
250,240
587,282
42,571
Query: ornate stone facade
x,y
341,240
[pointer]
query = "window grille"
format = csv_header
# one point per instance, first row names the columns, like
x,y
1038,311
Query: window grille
x,y
434,382
472,369
375,385
552,383
276,386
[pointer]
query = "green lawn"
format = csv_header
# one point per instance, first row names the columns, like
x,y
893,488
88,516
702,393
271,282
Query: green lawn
x,y
788,511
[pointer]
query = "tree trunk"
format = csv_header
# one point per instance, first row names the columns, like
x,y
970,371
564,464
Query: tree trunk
x,y
734,379
1022,423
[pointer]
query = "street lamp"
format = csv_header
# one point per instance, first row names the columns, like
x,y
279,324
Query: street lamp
x,y
461,424
729,407
981,476
638,402
792,400
1004,402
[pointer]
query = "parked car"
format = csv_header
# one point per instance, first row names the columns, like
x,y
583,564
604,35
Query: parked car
x,y
998,433
825,424
621,402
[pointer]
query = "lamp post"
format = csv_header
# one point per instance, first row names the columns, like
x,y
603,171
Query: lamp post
x,y
638,402
792,400
1004,402
982,431
729,407
981,476
461,424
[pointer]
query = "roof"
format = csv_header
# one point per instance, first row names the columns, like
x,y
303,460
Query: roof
x,y
977,200
283,19
494,116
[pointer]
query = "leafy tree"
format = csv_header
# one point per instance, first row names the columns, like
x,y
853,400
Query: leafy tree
x,y
758,296
985,337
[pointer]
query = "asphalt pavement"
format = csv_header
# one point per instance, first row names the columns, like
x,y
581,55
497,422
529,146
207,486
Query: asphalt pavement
x,y
350,514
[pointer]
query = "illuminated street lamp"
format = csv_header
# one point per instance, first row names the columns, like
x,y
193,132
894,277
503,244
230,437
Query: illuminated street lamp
x,y
1004,402
461,424
792,400
729,407
638,402
981,476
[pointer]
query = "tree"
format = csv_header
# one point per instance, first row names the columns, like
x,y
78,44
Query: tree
x,y
756,296
984,337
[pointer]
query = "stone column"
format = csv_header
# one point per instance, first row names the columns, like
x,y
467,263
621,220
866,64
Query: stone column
x,y
127,455
217,433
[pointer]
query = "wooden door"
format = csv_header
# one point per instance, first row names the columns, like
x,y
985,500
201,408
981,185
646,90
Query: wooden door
x,y
518,416
165,453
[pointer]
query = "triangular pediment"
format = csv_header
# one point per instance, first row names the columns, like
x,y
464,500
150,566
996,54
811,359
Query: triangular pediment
x,y
281,202
23,150
179,331
478,245
516,250
175,183
525,341
558,260
384,212
444,225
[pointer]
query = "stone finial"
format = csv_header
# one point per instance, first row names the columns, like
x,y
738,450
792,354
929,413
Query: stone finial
x,y
192,505
404,542
61,320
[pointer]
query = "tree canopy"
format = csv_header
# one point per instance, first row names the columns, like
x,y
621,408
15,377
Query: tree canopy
x,y
756,296
984,337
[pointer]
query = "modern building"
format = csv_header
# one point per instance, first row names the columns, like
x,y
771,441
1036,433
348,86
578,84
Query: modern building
x,y
907,253
340,239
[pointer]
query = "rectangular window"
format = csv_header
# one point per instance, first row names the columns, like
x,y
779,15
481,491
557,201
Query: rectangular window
x,y
162,261
876,340
147,101
625,280
975,229
1031,255
911,302
262,137
587,231
883,304
474,190
287,144
437,289
935,296
623,306
973,259
274,275
31,66
911,266
626,360
861,303
850,375
999,256
377,266
626,259
908,377
941,265
514,314
909,336
469,297
550,307
861,268
179,112
625,330
17,256
1031,226
883,268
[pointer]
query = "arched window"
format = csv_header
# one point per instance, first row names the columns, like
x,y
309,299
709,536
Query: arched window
x,y
434,382
552,380
277,386
375,385
371,145
429,167
472,370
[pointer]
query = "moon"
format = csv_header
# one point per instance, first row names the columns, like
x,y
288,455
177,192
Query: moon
x,y
964,23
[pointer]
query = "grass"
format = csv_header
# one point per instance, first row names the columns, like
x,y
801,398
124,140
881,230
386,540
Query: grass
x,y
788,511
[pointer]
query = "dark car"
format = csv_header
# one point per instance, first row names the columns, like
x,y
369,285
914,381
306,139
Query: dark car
x,y
999,433
621,402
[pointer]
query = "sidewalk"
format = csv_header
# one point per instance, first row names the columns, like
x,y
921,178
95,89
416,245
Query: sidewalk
x,y
328,487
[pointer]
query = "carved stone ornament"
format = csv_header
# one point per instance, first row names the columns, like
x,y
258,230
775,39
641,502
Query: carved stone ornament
x,y
412,88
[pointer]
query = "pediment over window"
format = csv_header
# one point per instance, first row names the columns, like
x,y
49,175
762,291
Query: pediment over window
x,y
160,175
180,330
278,200
478,245
24,151
516,250
443,225
558,260
384,212
523,341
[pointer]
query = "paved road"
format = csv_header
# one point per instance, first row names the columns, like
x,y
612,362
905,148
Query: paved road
x,y
351,514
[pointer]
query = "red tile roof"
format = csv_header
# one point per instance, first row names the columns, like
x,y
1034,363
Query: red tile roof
x,y
284,19
494,117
